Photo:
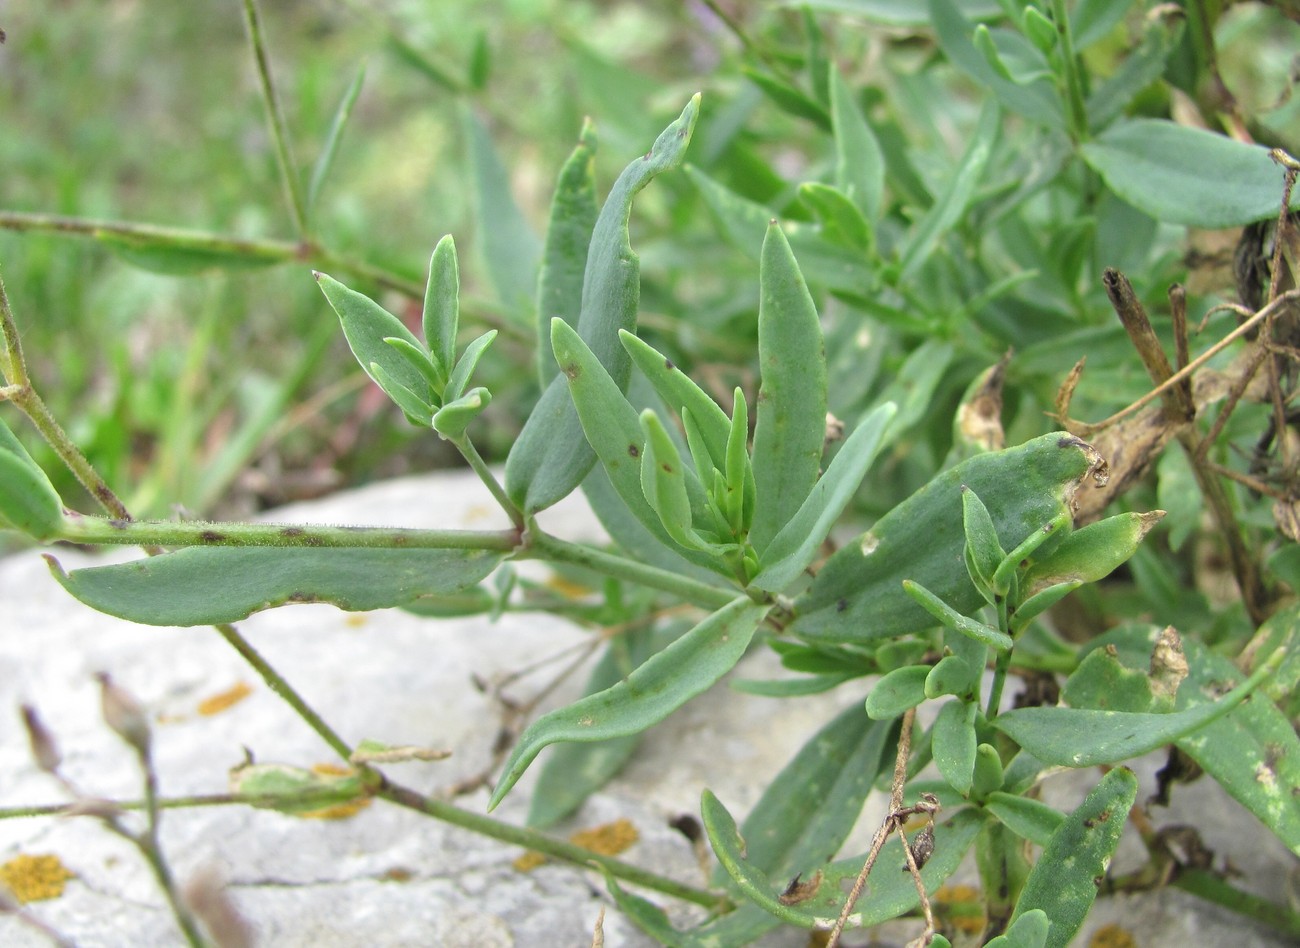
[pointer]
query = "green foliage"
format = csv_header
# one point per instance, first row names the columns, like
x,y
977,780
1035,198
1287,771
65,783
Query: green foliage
x,y
838,246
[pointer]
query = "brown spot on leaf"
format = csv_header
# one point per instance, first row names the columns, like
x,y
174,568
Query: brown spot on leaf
x,y
633,451
573,371
211,536
798,891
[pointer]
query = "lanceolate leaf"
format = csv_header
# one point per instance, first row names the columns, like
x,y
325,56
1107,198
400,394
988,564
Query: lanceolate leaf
x,y
564,255
858,595
1187,175
806,813
859,164
573,771
325,161
366,325
1063,883
797,544
548,460
953,744
1082,737
791,425
441,316
210,585
611,426
686,668
679,392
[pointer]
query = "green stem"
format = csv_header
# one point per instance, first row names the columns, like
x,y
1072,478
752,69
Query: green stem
x,y
438,809
1076,109
151,849
470,453
1002,665
151,236
542,545
275,118
97,530
540,842
1211,888
276,682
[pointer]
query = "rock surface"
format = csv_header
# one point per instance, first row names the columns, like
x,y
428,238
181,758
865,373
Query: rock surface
x,y
388,876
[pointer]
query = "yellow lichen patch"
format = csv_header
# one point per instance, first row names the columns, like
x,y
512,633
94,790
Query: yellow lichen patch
x,y
1112,936
960,908
609,839
339,811
224,699
355,620
528,861
35,878
332,770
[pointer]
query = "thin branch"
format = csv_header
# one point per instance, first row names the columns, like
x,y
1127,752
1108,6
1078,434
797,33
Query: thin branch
x,y
275,118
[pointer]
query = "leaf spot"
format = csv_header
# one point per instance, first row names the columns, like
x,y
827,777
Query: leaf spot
x,y
633,451
573,371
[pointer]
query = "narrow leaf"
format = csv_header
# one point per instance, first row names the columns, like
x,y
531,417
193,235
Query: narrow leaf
x,y
841,220
1029,819
441,318
789,98
1063,883
953,619
983,551
573,771
686,668
611,427
791,425
179,588
325,161
807,811
420,361
952,204
1037,101
663,481
859,164
1091,552
417,411
366,325
464,370
547,461
564,253
796,546
679,392
1082,737
858,593
953,744
1187,175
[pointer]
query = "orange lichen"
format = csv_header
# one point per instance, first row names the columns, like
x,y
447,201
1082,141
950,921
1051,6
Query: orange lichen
x,y
528,861
609,839
224,699
339,811
35,878
1112,936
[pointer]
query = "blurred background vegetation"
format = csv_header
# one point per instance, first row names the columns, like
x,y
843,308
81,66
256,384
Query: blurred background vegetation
x,y
229,388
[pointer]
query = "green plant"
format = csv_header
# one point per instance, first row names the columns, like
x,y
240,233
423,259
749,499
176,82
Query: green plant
x,y
921,287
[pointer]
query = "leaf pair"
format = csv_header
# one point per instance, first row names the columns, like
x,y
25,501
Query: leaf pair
x,y
424,379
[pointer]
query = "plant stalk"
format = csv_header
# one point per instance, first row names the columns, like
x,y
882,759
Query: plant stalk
x,y
275,119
